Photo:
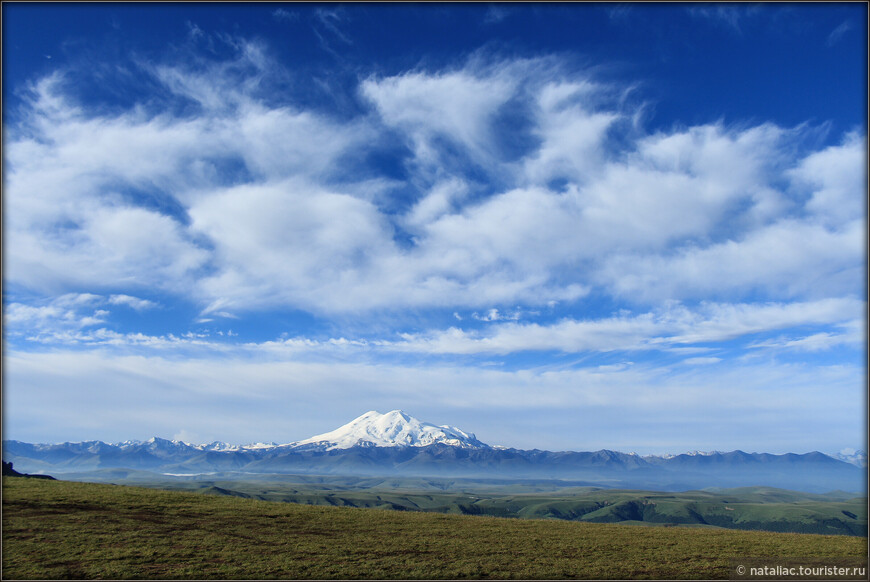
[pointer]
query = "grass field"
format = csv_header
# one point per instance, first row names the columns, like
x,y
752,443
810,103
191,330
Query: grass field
x,y
750,508
57,529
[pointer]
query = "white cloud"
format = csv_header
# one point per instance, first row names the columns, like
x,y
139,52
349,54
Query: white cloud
x,y
850,333
495,14
571,134
107,337
670,327
63,320
134,302
216,86
730,16
288,243
496,315
837,179
838,33
701,361
278,143
330,20
69,311
243,400
68,220
224,314
456,106
187,437
721,322
619,11
71,219
444,198
786,259
252,202
673,328
281,14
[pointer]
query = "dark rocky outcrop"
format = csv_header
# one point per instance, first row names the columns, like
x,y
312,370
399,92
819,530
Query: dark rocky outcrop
x,y
8,471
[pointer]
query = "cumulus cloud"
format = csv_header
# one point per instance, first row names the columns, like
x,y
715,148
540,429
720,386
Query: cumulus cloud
x,y
788,259
240,197
72,310
570,131
288,243
834,176
444,198
408,242
63,319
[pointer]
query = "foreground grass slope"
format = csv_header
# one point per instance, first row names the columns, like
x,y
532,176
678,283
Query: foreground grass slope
x,y
56,529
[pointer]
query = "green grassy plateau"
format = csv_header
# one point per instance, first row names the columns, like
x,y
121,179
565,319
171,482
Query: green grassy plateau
x,y
751,508
58,529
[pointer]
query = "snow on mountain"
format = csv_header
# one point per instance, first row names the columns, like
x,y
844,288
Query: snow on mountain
x,y
127,443
372,429
260,446
393,429
667,456
219,446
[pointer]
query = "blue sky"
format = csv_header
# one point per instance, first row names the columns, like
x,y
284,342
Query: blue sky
x,y
565,226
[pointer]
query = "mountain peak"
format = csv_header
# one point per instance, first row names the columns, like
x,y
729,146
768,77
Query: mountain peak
x,y
395,414
393,429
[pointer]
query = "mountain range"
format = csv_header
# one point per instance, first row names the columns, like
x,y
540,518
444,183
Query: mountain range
x,y
398,444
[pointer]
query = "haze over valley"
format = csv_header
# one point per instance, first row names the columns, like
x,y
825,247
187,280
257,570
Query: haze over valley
x,y
396,443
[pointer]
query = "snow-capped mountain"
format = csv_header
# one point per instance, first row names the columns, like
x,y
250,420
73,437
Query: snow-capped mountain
x,y
372,429
159,443
222,446
668,456
393,429
396,443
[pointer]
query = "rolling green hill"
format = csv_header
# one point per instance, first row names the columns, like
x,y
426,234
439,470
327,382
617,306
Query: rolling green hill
x,y
57,529
750,508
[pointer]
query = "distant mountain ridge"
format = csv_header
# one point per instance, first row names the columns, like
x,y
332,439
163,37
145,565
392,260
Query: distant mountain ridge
x,y
398,444
372,429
